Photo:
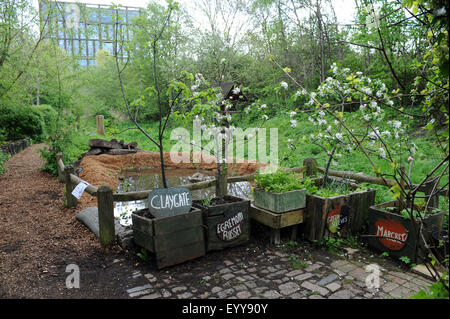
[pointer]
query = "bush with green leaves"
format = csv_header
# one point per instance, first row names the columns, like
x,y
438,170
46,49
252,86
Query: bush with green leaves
x,y
3,158
21,122
279,182
67,140
48,114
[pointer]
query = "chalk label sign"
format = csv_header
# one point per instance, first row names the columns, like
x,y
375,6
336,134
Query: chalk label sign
x,y
337,218
231,227
165,202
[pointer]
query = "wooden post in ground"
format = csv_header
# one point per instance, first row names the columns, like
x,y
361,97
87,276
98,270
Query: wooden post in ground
x,y
311,166
69,199
105,205
59,156
100,126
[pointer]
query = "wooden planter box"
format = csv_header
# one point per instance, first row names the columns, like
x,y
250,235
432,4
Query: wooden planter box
x,y
279,202
403,237
172,239
227,225
334,216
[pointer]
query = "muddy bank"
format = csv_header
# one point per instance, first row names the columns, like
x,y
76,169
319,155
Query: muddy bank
x,y
104,169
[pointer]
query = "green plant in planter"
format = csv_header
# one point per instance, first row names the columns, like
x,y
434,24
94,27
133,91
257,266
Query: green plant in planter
x,y
281,181
279,192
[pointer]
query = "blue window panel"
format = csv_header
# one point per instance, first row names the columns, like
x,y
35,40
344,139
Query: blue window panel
x,y
111,33
93,16
61,44
83,47
91,51
76,47
108,46
93,31
69,47
107,16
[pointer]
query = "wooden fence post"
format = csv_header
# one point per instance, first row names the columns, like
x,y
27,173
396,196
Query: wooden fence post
x,y
105,206
311,166
100,126
59,156
69,199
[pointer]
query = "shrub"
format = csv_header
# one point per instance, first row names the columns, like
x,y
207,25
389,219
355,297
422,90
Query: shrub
x,y
3,158
21,122
279,182
48,115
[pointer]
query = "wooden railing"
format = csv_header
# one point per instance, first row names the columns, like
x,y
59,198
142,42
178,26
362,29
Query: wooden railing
x,y
106,197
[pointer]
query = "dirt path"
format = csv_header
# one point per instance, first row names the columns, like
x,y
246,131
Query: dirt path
x,y
39,237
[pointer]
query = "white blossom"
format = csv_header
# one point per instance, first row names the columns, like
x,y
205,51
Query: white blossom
x,y
339,136
293,113
265,117
382,152
284,85
321,114
397,124
293,123
236,90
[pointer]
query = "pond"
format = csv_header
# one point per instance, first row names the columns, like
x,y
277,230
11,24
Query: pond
x,y
151,178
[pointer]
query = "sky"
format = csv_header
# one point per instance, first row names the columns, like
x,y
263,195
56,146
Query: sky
x,y
344,8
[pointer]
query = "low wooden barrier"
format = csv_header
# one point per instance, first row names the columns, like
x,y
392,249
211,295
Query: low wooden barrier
x,y
13,148
106,197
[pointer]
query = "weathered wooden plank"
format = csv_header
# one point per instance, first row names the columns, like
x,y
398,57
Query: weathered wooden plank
x,y
69,199
105,215
90,189
144,240
180,254
264,217
172,224
291,218
180,238
275,220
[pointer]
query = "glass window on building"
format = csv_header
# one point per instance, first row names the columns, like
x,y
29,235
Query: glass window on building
x,y
92,47
93,31
76,47
83,47
61,44
61,30
107,16
132,15
69,47
108,46
93,15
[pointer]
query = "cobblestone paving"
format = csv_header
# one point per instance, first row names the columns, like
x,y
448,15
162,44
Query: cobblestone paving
x,y
255,271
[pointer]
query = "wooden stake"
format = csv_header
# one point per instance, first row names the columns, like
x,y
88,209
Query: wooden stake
x,y
105,215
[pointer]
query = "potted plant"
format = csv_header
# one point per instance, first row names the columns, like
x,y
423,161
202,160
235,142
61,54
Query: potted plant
x,y
392,230
279,192
339,208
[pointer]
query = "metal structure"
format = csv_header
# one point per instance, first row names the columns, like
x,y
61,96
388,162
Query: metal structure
x,y
83,29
